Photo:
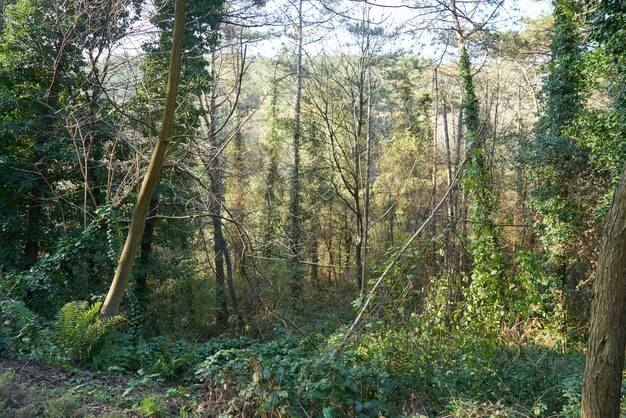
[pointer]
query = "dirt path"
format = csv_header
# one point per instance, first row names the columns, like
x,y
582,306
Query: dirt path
x,y
29,389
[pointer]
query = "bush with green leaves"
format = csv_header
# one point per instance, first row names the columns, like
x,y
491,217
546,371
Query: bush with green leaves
x,y
284,377
172,360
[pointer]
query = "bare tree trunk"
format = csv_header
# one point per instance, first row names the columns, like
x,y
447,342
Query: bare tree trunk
x,y
520,197
461,212
223,279
221,246
433,173
220,249
368,161
446,141
315,259
607,335
221,316
449,258
135,233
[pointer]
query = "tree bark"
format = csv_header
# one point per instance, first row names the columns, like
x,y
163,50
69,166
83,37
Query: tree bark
x,y
135,233
605,350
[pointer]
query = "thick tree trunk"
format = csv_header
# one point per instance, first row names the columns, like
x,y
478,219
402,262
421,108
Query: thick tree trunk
x,y
605,351
135,233
272,174
213,165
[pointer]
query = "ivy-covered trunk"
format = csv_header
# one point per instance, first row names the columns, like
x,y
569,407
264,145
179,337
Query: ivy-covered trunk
x,y
483,293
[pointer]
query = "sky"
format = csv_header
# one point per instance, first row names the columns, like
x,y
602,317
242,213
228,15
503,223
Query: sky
x,y
393,17
534,8
418,42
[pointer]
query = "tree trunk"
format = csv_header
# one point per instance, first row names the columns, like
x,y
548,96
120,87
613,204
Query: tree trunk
x,y
368,167
33,226
238,205
294,204
272,148
605,351
449,231
315,258
231,284
433,173
135,233
145,256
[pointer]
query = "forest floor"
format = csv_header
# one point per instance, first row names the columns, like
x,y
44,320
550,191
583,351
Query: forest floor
x,y
29,389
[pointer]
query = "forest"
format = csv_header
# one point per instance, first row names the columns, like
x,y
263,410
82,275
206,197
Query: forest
x,y
312,208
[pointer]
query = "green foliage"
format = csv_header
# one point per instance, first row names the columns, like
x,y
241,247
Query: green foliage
x,y
558,164
484,298
281,377
151,407
471,111
78,331
567,187
74,269
19,328
469,343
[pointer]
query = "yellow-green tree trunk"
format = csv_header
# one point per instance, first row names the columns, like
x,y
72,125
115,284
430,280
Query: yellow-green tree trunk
x,y
138,221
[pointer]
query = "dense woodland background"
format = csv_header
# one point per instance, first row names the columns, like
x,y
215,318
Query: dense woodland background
x,y
341,227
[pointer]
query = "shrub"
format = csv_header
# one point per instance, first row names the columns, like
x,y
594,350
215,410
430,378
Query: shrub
x,y
78,332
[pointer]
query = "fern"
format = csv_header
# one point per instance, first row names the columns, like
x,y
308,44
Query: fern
x,y
78,331
19,326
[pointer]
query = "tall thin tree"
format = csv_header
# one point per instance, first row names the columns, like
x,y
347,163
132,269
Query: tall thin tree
x,y
135,233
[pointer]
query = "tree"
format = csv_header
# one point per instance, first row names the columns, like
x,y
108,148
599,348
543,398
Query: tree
x,y
607,333
40,57
341,96
484,289
295,226
557,162
215,167
112,302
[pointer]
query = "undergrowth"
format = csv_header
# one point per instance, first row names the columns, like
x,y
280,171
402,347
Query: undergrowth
x,y
409,370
